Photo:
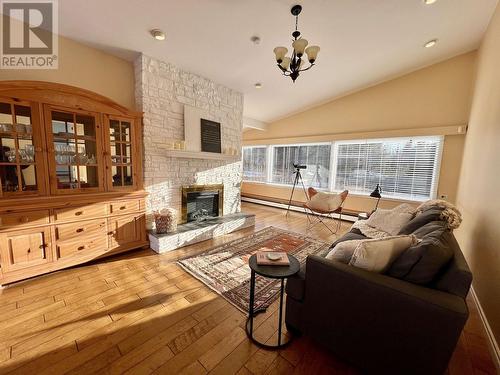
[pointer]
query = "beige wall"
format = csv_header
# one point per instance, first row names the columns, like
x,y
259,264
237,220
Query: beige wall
x,y
478,199
87,68
423,102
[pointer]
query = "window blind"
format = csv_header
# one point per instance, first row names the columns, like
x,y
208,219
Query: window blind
x,y
405,168
316,158
255,163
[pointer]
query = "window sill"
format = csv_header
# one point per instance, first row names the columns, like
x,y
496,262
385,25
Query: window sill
x,y
357,195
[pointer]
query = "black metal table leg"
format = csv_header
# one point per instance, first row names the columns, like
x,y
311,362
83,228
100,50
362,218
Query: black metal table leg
x,y
252,298
280,320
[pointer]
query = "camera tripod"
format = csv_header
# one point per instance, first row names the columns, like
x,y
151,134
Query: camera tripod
x,y
298,178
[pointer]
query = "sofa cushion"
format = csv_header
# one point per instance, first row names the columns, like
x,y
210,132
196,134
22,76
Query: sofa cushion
x,y
391,221
422,218
456,277
349,236
343,251
377,255
422,262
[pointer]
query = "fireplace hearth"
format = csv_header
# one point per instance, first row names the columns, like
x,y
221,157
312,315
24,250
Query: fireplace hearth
x,y
200,202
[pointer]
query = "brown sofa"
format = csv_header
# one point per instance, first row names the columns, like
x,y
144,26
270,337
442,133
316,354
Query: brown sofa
x,y
383,324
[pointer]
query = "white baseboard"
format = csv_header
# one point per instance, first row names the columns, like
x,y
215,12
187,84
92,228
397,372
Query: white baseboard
x,y
345,217
492,342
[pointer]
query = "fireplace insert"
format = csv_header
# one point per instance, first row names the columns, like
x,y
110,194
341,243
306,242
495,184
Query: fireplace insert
x,y
200,202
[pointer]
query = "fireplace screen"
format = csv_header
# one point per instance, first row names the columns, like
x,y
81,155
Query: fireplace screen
x,y
201,201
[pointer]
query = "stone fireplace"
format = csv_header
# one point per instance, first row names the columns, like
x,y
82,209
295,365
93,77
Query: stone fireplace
x,y
203,179
202,201
166,94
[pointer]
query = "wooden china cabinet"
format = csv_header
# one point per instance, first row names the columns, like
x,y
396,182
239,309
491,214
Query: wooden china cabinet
x,y
70,178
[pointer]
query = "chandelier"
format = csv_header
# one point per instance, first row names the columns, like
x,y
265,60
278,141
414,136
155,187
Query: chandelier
x,y
292,66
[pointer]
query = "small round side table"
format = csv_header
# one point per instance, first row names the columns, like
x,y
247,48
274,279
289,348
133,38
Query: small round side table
x,y
273,272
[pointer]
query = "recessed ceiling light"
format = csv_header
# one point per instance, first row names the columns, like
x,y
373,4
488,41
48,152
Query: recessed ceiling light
x,y
258,85
429,2
158,34
255,39
430,43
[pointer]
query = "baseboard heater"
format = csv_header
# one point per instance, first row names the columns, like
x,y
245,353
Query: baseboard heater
x,y
348,216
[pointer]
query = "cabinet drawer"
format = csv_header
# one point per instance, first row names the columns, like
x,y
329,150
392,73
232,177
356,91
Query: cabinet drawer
x,y
89,244
81,230
24,218
81,212
125,207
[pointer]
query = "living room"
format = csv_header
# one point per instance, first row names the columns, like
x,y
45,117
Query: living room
x,y
284,205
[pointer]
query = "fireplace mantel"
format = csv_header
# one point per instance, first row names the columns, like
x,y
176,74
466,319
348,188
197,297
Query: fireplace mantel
x,y
200,155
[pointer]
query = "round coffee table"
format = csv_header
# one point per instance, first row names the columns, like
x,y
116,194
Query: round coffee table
x,y
273,272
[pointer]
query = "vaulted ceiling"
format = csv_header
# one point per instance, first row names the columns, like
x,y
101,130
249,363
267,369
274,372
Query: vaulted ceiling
x,y
362,41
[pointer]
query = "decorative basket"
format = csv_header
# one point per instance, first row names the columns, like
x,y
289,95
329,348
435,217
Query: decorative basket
x,y
166,220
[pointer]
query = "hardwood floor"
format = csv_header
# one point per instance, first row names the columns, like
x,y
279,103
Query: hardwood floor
x,y
140,313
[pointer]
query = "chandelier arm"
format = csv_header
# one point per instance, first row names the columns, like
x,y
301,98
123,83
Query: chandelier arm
x,y
283,70
309,67
293,63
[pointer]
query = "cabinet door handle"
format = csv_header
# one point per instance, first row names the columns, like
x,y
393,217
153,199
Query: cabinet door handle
x,y
29,250
123,207
78,213
83,247
80,230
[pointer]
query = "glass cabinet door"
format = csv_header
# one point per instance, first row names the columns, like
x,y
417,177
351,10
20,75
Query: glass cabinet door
x,y
121,145
19,150
76,161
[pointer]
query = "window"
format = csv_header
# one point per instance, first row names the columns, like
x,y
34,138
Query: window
x,y
405,168
315,157
255,163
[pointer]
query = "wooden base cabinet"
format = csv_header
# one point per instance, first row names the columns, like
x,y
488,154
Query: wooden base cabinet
x,y
70,178
26,248
56,241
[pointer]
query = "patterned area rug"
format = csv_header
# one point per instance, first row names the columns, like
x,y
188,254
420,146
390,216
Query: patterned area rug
x,y
225,269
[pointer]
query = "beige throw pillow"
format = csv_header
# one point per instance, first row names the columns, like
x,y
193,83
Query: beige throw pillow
x,y
391,221
325,201
342,252
377,255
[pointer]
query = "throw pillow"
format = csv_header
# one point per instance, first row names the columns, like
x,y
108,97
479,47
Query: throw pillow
x,y
377,255
391,221
342,252
325,201
422,262
422,218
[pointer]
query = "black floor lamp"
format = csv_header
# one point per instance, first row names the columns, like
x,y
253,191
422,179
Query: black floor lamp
x,y
376,194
